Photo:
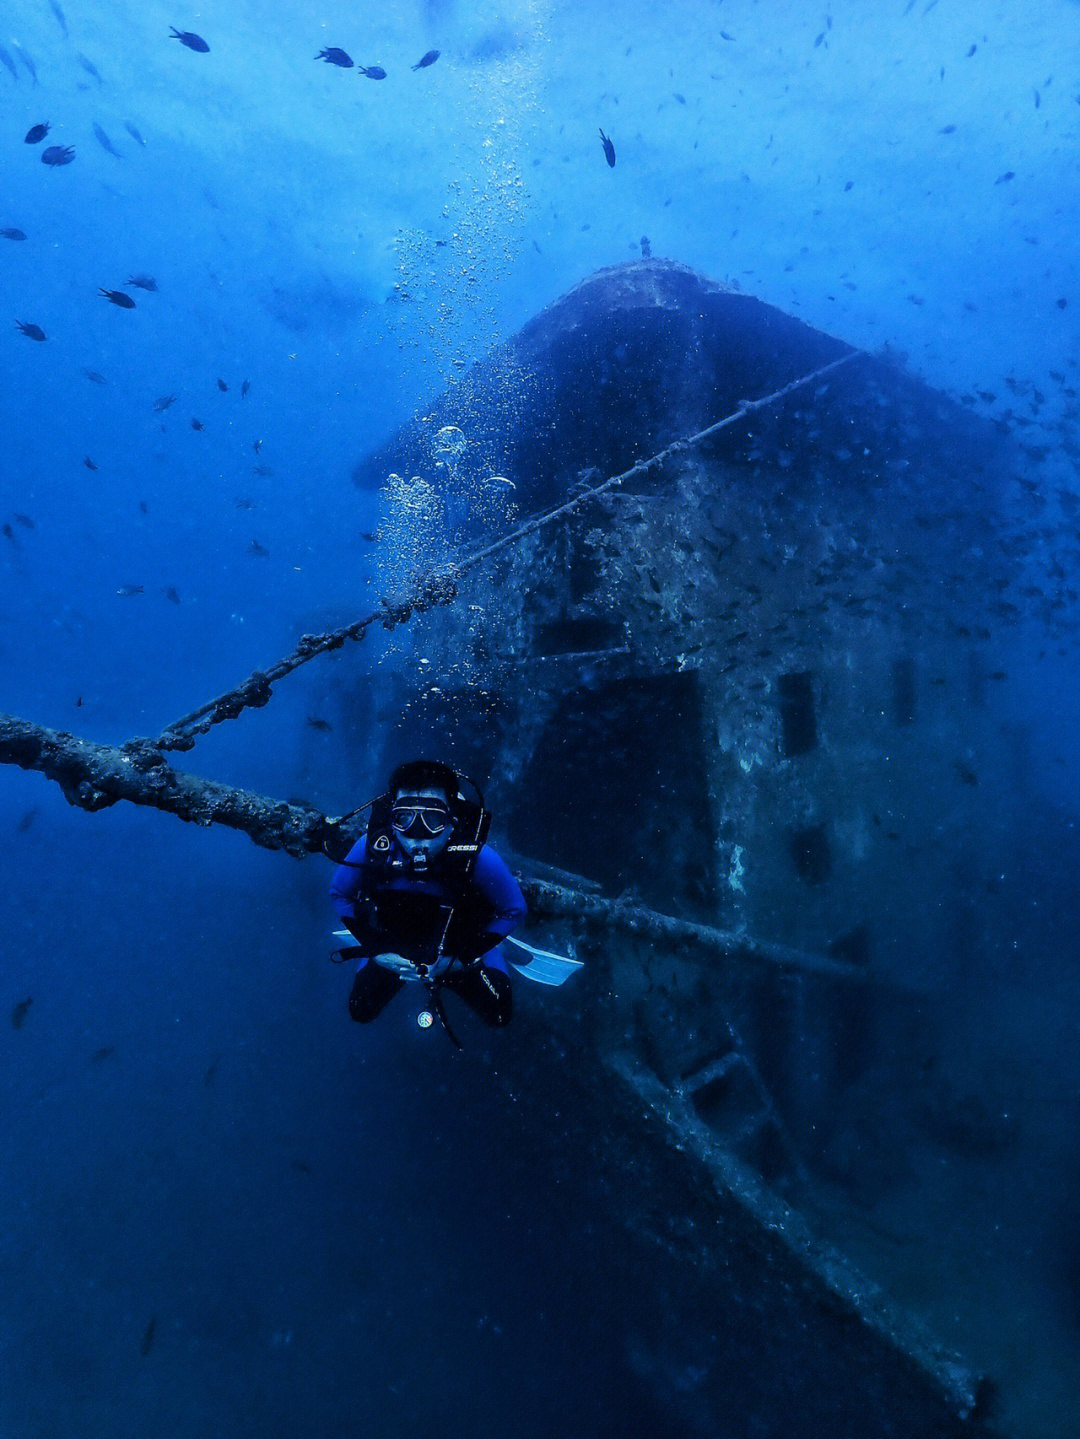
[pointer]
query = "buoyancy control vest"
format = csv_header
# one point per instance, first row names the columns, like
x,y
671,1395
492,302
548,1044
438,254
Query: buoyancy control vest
x,y
422,913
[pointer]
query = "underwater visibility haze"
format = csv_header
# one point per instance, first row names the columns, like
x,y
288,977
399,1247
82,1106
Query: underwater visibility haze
x,y
682,405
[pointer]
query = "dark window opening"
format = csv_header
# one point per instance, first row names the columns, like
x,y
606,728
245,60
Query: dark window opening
x,y
903,681
810,854
572,636
797,713
616,789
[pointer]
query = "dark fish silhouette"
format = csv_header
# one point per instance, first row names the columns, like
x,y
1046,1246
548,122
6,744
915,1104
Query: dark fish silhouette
x,y
6,60
609,149
134,133
143,282
197,424
26,820
148,1337
10,233
18,1014
244,388
106,143
171,593
373,72
222,386
89,67
117,297
88,462
323,726
163,402
33,332
126,590
55,8
191,40
9,534
1008,175
263,470
37,133
58,155
105,1052
334,56
256,445
426,60
97,379
256,549
24,520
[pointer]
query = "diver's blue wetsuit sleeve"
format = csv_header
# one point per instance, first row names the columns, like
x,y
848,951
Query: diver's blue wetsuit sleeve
x,y
502,892
348,878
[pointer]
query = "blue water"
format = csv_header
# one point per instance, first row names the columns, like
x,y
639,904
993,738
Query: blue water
x,y
225,1211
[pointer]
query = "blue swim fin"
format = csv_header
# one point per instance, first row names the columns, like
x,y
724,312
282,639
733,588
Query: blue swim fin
x,y
541,965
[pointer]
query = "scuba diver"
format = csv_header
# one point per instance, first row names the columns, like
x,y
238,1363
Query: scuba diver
x,y
427,899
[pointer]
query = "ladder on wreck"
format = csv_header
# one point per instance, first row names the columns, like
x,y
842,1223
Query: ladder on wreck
x,y
727,1095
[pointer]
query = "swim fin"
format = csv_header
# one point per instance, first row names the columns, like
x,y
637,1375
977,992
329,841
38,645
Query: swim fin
x,y
543,966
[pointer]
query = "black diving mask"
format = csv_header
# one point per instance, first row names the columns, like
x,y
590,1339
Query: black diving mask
x,y
420,821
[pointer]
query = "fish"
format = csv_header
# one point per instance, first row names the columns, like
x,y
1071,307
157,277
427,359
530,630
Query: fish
x,y
130,128
256,445
190,39
95,377
9,232
9,534
1008,175
36,133
143,282
58,155
88,462
334,56
9,63
244,388
971,52
171,593
725,36
126,590
426,60
256,549
89,66
373,72
163,402
1062,303
32,331
105,1052
609,149
197,424
20,1011
26,820
25,58
323,726
105,143
646,248
55,8
118,298
148,1336
222,386
263,470
947,130
24,520
246,504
